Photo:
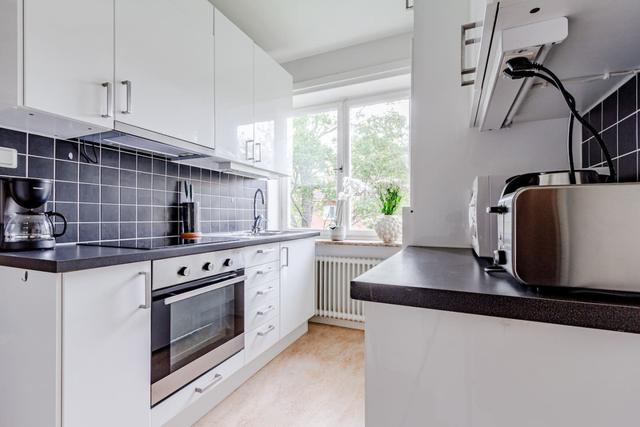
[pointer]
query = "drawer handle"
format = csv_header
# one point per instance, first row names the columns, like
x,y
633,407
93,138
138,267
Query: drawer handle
x,y
265,291
270,329
267,310
216,379
265,251
264,272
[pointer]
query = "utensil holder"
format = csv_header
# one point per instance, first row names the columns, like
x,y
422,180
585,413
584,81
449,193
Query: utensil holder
x,y
190,220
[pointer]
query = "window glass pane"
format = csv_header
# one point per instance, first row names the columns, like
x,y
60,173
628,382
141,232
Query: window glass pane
x,y
313,181
379,139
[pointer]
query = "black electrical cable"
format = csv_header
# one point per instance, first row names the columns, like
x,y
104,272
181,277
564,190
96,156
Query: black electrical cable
x,y
85,155
520,67
518,74
571,103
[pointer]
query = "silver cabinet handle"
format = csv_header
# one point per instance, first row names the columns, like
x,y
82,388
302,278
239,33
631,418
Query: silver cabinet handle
x,y
464,42
252,151
257,158
265,291
147,290
270,329
286,249
127,84
216,379
269,270
266,311
200,291
265,251
108,86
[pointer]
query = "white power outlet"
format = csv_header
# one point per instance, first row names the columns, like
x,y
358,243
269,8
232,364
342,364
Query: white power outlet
x,y
8,158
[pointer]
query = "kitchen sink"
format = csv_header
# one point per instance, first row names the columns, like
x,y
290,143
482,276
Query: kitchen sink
x,y
250,235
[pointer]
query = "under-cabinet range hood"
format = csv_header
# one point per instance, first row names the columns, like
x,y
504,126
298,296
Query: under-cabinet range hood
x,y
152,142
502,96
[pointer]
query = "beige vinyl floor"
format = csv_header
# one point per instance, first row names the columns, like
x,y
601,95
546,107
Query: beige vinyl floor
x,y
317,381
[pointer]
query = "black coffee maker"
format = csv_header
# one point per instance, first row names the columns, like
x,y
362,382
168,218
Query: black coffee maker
x,y
24,223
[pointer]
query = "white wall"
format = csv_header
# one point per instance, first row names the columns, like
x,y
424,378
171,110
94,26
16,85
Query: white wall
x,y
378,56
445,153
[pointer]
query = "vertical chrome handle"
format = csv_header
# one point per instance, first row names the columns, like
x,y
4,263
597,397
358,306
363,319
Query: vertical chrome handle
x,y
147,290
109,99
252,151
286,264
464,42
216,379
257,158
127,84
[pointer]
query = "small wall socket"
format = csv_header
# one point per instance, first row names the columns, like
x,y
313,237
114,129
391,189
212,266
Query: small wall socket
x,y
8,158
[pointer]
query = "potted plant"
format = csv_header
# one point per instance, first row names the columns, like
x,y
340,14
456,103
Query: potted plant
x,y
389,227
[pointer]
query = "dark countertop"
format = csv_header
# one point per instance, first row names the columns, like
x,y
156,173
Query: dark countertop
x,y
454,280
65,258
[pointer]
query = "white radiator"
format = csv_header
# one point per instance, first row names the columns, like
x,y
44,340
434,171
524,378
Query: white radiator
x,y
333,278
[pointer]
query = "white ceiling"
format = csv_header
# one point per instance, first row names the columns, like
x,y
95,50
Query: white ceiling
x,y
293,29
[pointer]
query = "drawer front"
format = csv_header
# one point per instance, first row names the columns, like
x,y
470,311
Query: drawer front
x,y
262,254
259,296
262,274
207,383
258,314
261,339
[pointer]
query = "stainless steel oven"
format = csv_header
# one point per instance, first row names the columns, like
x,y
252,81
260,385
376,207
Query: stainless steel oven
x,y
195,324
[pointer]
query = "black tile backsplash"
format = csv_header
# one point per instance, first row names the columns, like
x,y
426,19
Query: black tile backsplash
x,y
616,119
127,194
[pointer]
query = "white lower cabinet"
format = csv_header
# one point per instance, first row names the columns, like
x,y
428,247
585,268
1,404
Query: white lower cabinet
x,y
262,304
106,349
297,283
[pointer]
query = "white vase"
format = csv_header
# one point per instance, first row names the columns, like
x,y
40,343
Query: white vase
x,y
338,234
388,228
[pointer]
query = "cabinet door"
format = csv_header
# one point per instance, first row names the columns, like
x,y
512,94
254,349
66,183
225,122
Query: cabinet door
x,y
234,92
106,347
68,56
265,99
273,97
165,57
29,348
297,283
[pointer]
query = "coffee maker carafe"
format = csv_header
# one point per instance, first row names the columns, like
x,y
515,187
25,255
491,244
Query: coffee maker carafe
x,y
25,224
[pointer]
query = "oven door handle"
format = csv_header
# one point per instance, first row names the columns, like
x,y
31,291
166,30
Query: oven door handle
x,y
199,291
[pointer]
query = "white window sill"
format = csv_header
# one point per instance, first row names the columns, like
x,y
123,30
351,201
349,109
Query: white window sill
x,y
355,242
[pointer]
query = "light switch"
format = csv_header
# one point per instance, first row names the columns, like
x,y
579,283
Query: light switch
x,y
8,158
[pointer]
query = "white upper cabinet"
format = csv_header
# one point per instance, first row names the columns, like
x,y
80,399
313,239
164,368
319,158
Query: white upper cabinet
x,y
272,105
56,66
234,92
164,68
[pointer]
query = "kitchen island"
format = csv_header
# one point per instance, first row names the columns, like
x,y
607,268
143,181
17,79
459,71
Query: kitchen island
x,y
449,345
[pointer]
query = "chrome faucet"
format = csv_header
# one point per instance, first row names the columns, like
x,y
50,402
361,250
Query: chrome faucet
x,y
258,220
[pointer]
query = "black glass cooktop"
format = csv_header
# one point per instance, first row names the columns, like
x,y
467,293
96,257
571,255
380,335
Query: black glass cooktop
x,y
159,243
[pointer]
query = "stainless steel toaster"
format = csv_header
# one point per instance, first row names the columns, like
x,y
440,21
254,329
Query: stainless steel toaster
x,y
585,236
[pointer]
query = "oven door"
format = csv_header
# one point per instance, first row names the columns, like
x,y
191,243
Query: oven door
x,y
195,326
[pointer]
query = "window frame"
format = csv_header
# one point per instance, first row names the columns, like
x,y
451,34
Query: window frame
x,y
343,158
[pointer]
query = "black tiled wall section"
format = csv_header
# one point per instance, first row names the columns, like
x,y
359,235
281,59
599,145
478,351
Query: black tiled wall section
x,y
616,119
128,194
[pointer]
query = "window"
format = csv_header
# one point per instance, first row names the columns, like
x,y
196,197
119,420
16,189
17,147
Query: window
x,y
312,186
366,142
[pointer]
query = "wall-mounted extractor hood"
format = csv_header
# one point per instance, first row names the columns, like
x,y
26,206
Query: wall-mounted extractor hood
x,y
500,97
151,142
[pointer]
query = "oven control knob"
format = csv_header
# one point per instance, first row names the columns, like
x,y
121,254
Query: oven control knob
x,y
228,262
184,271
499,257
208,266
